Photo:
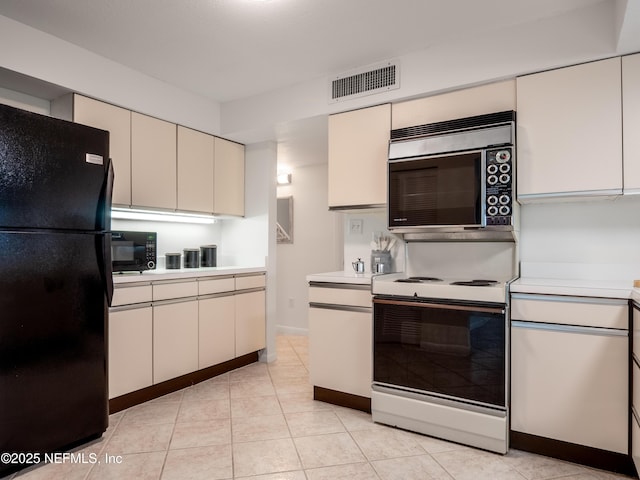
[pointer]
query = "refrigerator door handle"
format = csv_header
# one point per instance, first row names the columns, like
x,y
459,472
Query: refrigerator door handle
x,y
106,267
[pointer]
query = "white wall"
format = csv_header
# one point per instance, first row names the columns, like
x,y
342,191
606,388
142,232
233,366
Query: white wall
x,y
598,239
357,244
317,245
572,38
39,55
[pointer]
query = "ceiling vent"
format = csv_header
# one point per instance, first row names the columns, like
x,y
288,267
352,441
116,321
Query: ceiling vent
x,y
366,81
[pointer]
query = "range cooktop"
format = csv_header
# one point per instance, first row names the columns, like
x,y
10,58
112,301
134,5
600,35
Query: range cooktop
x,y
423,286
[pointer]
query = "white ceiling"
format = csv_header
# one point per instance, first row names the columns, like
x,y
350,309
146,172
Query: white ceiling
x,y
231,49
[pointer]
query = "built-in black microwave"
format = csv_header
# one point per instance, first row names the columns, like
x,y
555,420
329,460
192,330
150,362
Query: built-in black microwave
x,y
452,175
133,251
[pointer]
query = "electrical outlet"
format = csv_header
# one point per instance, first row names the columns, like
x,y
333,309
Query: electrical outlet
x,y
355,226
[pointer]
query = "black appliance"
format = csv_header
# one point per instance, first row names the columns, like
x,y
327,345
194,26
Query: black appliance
x,y
453,175
55,284
133,251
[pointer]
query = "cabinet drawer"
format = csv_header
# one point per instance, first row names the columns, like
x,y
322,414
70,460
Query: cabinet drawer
x,y
635,399
591,312
340,296
128,295
164,291
252,281
216,285
636,330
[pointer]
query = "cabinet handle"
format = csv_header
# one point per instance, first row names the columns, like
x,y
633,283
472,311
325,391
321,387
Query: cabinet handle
x,y
441,306
582,193
552,327
569,299
344,308
133,306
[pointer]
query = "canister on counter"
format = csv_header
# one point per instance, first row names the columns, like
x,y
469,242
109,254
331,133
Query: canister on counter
x,y
191,257
208,256
172,260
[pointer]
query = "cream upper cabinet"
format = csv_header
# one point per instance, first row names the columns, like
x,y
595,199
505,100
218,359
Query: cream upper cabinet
x,y
153,162
358,152
195,170
118,122
570,131
490,98
631,122
228,178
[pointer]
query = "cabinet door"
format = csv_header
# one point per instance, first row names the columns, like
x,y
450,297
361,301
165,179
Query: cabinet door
x,y
358,153
490,98
216,337
228,178
118,122
631,122
250,322
570,131
130,350
195,170
153,162
570,384
175,340
340,347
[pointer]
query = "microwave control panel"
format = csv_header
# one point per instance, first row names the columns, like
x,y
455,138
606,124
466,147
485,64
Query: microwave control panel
x,y
499,186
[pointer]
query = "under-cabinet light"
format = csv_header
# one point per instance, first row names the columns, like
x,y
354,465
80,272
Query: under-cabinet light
x,y
151,215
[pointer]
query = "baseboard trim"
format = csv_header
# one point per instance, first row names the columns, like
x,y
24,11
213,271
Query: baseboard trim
x,y
287,330
154,391
342,399
589,456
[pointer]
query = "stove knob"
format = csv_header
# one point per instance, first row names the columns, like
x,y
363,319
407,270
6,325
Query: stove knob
x,y
492,200
505,210
505,178
492,179
503,156
505,168
492,210
492,169
504,199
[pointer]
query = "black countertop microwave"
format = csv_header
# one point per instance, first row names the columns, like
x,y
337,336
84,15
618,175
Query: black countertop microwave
x,y
133,251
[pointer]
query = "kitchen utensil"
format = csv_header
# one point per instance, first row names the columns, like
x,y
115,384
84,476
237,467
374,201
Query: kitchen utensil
x,y
172,260
208,256
191,258
358,266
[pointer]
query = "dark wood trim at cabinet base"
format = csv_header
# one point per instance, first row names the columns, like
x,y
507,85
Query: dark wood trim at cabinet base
x,y
592,457
154,391
343,399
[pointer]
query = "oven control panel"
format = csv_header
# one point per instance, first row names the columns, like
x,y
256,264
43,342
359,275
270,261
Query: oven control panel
x,y
499,186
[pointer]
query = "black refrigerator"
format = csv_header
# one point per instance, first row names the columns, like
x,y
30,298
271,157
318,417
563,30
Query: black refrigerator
x,y
55,283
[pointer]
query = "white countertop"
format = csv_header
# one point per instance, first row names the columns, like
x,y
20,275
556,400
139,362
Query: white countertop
x,y
576,287
341,277
182,273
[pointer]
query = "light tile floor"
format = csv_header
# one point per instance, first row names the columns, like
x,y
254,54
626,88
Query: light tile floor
x,y
260,422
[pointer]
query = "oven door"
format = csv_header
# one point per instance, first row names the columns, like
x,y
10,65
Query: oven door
x,y
454,351
437,191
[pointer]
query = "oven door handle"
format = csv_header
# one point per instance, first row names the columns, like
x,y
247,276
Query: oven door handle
x,y
466,308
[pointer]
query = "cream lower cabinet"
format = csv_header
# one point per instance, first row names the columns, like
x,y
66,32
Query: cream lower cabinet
x,y
130,349
569,375
216,336
250,322
340,338
175,339
635,382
